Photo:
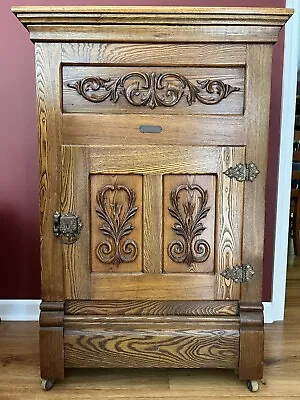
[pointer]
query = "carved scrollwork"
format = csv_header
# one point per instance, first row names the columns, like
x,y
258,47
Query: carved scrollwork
x,y
117,248
152,90
191,249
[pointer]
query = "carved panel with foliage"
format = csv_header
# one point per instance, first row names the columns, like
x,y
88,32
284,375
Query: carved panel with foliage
x,y
189,211
116,214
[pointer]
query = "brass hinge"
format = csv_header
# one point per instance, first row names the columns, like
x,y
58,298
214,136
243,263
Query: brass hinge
x,y
243,172
67,227
240,273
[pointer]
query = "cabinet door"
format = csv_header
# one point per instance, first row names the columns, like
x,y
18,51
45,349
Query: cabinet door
x,y
159,222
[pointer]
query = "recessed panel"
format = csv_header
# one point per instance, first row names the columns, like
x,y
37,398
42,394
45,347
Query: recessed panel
x,y
153,90
116,223
189,223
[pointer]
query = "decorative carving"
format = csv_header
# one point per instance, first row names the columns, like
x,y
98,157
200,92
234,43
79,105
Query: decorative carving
x,y
188,215
153,89
243,172
239,274
117,248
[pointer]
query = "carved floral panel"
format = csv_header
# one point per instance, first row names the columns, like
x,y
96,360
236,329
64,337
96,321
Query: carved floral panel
x,y
153,90
189,225
116,215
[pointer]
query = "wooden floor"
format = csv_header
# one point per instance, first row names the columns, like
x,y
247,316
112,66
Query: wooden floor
x,y
19,368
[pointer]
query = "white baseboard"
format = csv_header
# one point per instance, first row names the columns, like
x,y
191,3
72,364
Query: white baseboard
x,y
273,311
28,310
268,312
20,310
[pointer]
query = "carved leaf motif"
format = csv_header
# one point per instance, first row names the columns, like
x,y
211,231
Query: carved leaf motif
x,y
118,248
152,90
189,225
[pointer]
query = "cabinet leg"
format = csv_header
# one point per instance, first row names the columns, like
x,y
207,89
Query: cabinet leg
x,y
51,343
251,342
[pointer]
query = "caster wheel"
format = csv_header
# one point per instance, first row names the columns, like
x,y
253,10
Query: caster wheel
x,y
253,386
47,384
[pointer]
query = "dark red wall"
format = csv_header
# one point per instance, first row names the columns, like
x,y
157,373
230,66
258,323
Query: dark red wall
x,y
19,231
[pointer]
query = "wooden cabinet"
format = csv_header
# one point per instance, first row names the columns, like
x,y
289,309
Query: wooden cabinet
x,y
153,131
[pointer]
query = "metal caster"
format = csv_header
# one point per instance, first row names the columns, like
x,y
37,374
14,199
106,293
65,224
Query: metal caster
x,y
253,386
47,384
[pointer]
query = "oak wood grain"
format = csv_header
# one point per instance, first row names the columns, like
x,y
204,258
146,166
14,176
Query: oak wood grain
x,y
75,198
154,160
51,335
96,129
152,349
257,117
230,223
181,54
161,15
49,128
150,322
154,33
134,307
152,224
152,286
251,353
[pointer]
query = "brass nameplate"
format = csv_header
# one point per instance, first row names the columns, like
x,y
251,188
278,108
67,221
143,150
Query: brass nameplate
x,y
150,129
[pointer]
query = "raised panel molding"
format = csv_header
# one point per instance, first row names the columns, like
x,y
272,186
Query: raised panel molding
x,y
189,248
29,310
117,248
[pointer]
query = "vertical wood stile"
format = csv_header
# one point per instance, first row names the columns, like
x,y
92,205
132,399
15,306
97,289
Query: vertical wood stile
x,y
75,198
229,222
48,58
152,223
257,105
258,88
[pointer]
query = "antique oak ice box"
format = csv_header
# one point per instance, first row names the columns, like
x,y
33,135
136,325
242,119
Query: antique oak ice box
x,y
153,132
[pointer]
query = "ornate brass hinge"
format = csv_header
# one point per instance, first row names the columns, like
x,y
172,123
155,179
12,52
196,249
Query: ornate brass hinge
x,y
67,227
239,274
243,172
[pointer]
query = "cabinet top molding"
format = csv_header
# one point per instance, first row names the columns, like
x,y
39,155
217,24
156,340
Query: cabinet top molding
x,y
155,24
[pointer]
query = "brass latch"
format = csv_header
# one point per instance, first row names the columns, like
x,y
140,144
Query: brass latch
x,y
239,274
67,227
243,172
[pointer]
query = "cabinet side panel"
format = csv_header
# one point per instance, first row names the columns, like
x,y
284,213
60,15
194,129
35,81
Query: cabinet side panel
x,y
257,102
48,58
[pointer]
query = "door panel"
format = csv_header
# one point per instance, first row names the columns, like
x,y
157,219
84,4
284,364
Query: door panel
x,y
160,222
189,223
116,223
